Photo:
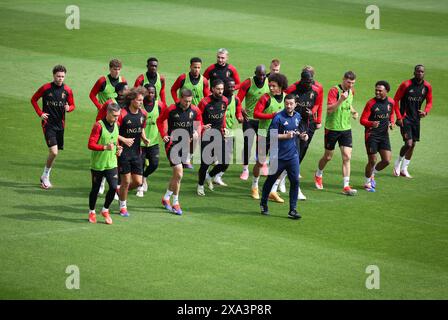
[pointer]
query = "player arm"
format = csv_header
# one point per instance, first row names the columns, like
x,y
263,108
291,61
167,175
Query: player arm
x,y
320,100
290,89
36,98
206,88
162,90
207,71
160,122
244,87
139,81
70,101
428,100
95,90
94,138
333,102
366,114
238,110
260,107
175,87
235,77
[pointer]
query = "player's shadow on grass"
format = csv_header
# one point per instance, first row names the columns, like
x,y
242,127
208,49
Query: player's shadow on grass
x,y
35,188
62,164
61,213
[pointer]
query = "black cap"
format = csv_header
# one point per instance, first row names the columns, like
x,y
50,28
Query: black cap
x,y
306,75
120,86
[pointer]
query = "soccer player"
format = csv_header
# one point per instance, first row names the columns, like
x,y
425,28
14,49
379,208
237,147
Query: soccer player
x,y
408,101
274,67
265,110
221,69
213,110
285,127
251,91
57,99
120,89
338,130
104,88
151,152
103,142
194,81
377,118
181,118
308,99
233,116
153,77
132,123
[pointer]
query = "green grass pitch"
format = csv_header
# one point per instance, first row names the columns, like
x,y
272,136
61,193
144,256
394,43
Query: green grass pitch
x,y
221,248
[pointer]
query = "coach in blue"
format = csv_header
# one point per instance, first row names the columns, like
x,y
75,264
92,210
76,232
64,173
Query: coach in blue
x,y
285,128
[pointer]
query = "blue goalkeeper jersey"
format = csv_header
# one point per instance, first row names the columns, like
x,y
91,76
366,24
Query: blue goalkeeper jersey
x,y
283,123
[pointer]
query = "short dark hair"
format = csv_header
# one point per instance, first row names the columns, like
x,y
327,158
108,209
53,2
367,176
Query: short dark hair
x,y
59,68
280,79
186,93
383,83
112,106
115,63
151,59
350,75
418,66
217,82
120,86
149,86
195,59
290,96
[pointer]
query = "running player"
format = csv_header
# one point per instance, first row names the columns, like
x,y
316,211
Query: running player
x,y
377,118
285,127
104,88
221,69
194,81
233,116
181,118
132,123
150,153
408,102
213,110
103,142
153,77
338,130
265,110
251,91
57,99
308,99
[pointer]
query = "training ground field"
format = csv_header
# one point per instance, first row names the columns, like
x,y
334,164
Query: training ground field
x,y
221,248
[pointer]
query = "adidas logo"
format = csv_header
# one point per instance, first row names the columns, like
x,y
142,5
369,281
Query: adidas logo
x,y
377,109
129,122
286,123
412,90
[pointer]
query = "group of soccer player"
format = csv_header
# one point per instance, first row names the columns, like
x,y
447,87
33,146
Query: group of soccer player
x,y
131,122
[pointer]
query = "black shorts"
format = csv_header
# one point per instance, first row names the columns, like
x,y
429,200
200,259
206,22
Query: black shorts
x,y
150,152
375,144
343,138
54,137
175,153
215,152
128,163
410,130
